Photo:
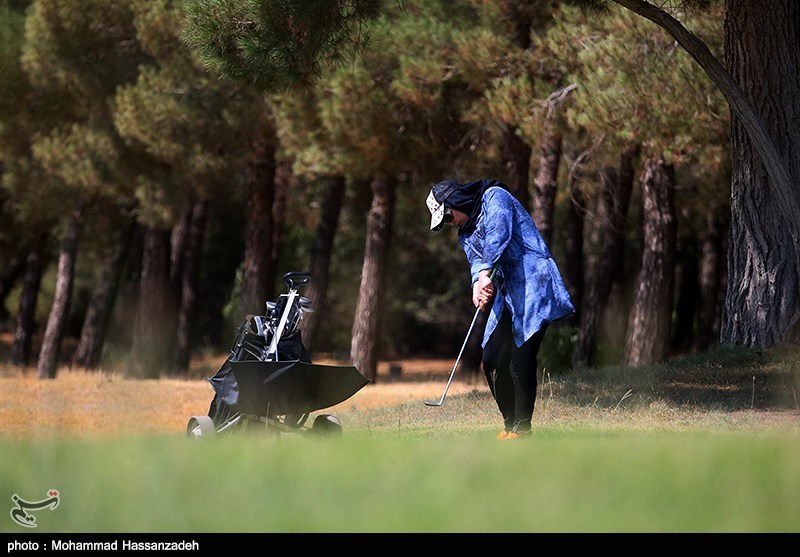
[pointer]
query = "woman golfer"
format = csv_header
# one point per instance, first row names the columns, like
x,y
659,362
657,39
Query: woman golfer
x,y
496,232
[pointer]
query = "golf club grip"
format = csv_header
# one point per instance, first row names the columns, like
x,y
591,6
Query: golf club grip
x,y
469,332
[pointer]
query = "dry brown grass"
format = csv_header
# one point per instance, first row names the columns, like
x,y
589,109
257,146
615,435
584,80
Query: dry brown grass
x,y
724,391
82,403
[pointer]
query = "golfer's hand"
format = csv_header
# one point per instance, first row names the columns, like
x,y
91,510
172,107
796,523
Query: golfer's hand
x,y
482,290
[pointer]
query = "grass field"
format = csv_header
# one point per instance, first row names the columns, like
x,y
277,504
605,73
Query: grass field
x,y
704,444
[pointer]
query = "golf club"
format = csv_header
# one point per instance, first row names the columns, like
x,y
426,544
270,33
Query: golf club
x,y
452,373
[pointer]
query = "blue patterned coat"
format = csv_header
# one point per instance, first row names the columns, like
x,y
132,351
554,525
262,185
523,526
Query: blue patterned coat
x,y
528,283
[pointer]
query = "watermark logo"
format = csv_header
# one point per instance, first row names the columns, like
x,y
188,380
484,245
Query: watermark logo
x,y
20,513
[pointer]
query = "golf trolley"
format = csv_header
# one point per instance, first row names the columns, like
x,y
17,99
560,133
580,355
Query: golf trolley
x,y
268,381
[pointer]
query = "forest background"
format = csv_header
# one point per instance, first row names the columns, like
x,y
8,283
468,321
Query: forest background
x,y
153,195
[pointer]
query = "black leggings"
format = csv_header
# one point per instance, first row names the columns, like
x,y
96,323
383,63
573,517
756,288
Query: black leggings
x,y
511,373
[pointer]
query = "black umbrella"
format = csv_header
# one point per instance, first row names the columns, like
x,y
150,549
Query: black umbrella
x,y
293,387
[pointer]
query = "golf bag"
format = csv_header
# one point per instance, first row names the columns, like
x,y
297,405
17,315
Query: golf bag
x,y
274,336
268,379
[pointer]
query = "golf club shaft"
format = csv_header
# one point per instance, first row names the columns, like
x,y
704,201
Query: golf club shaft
x,y
458,359
452,373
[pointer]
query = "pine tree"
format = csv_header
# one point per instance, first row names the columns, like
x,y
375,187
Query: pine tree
x,y
754,140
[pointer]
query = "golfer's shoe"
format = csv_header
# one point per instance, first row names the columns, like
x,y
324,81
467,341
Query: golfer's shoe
x,y
515,434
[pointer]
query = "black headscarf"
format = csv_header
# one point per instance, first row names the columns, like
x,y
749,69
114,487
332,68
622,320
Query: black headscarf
x,y
467,199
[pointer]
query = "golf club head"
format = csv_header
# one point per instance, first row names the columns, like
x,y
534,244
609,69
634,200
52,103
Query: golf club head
x,y
433,402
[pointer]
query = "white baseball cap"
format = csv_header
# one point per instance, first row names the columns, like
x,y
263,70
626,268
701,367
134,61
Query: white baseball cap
x,y
435,201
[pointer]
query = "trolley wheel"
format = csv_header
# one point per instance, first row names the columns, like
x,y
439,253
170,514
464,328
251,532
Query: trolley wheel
x,y
295,420
328,425
200,426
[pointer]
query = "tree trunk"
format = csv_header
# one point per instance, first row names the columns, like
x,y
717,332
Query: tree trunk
x,y
154,323
627,176
187,307
98,315
516,152
686,303
517,158
283,185
762,304
179,238
573,245
47,367
11,275
648,330
321,252
544,197
26,316
609,233
366,325
712,278
255,289
775,27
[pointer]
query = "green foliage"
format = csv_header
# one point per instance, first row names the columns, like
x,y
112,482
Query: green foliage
x,y
15,83
390,111
159,24
555,353
190,124
658,96
82,158
515,77
31,199
275,45
74,61
634,85
114,100
303,137
602,6
429,293
590,5
83,50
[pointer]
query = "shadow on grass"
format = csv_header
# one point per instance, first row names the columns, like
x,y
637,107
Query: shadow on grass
x,y
725,379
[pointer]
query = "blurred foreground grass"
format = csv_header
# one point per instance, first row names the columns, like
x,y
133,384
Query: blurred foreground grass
x,y
576,481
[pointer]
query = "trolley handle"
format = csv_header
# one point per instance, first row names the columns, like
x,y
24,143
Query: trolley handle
x,y
296,278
